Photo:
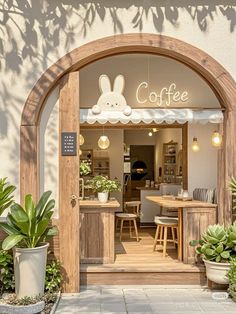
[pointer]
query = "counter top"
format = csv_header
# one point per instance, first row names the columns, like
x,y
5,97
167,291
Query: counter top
x,y
96,204
173,203
149,188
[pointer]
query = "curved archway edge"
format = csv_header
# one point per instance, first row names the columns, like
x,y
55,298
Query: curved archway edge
x,y
214,74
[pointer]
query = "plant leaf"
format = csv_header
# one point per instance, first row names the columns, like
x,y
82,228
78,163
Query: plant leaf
x,y
11,241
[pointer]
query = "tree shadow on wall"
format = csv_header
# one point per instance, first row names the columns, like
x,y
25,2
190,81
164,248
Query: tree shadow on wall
x,y
61,24
52,19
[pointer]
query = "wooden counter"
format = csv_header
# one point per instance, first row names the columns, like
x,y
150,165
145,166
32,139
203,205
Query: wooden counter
x,y
97,232
194,218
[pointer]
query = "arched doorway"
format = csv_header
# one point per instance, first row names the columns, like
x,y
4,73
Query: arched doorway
x,y
215,75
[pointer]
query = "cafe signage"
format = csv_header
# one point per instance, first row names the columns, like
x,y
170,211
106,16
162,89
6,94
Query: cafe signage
x,y
69,143
163,98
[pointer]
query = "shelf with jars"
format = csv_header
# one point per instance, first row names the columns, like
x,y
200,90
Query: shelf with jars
x,y
169,162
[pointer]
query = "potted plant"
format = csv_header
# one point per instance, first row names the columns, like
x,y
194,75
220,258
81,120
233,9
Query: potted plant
x,y
102,185
27,228
232,279
6,197
84,169
217,247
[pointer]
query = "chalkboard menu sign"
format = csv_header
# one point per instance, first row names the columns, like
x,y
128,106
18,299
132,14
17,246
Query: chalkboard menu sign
x,y
69,143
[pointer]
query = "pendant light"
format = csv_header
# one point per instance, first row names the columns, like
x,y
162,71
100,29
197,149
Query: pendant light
x,y
150,133
216,139
195,145
81,139
103,142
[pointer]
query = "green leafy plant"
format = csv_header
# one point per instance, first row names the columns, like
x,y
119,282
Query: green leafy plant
x,y
6,272
218,243
103,184
84,168
232,279
53,277
232,186
6,197
28,226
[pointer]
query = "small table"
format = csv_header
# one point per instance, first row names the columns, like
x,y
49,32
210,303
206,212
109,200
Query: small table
x,y
194,218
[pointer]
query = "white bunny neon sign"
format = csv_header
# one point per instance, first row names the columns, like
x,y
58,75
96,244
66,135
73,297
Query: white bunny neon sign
x,y
111,100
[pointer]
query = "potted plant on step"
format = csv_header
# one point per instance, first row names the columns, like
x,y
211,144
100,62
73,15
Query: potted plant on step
x,y
232,279
28,228
102,185
217,247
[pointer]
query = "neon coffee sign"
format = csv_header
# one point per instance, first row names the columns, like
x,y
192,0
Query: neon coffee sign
x,y
165,97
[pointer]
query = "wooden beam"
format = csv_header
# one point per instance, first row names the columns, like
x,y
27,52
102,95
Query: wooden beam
x,y
69,185
29,162
185,155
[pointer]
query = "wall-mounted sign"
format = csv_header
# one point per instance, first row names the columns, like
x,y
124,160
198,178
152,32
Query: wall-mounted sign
x,y
166,96
111,100
69,143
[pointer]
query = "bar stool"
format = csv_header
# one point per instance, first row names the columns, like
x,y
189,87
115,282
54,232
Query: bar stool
x,y
163,223
130,217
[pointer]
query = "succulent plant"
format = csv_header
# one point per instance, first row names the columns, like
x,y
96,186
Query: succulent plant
x,y
217,244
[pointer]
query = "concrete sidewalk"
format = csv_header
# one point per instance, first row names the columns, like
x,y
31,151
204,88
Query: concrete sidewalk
x,y
145,299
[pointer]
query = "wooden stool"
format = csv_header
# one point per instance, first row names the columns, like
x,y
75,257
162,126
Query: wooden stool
x,y
163,223
130,218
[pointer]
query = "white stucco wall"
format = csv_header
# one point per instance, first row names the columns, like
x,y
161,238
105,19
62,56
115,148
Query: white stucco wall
x,y
35,34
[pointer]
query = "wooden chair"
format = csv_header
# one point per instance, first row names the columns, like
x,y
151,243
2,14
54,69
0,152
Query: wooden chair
x,y
129,217
163,223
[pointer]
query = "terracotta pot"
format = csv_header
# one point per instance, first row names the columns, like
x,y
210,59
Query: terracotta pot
x,y
216,272
103,197
29,270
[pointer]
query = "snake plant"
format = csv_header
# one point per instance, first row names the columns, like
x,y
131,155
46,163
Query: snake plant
x,y
28,226
6,197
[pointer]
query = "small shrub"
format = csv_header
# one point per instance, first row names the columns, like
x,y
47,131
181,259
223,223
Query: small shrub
x,y
53,277
6,272
232,279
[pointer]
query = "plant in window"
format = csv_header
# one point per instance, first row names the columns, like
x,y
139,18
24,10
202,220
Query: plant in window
x,y
103,184
84,168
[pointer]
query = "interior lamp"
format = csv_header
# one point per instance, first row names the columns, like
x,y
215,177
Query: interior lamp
x,y
150,133
195,145
216,139
81,139
103,142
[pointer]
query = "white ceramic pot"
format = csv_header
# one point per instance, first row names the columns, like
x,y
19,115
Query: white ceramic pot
x,y
103,197
216,272
29,270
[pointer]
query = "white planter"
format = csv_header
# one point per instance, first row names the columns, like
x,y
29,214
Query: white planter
x,y
216,272
29,270
103,197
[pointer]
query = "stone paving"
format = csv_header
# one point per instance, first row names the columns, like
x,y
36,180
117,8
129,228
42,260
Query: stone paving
x,y
145,299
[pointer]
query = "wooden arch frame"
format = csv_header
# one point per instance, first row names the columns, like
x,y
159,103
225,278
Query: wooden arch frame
x,y
214,74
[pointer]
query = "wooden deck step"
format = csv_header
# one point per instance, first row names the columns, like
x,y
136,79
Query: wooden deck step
x,y
136,263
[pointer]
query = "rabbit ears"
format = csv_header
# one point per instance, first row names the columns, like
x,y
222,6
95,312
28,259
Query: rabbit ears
x,y
105,84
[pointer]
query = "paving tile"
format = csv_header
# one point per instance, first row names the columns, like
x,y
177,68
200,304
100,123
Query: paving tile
x,y
138,307
113,307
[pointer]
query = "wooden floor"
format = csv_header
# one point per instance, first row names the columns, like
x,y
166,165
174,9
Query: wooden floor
x,y
137,263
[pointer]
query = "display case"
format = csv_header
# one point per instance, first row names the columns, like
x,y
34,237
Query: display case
x,y
169,162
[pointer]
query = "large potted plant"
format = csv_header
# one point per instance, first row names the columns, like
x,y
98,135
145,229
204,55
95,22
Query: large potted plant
x,y
103,185
28,228
6,197
217,247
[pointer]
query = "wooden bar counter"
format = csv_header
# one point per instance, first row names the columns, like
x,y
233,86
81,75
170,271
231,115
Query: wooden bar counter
x,y
97,231
194,218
